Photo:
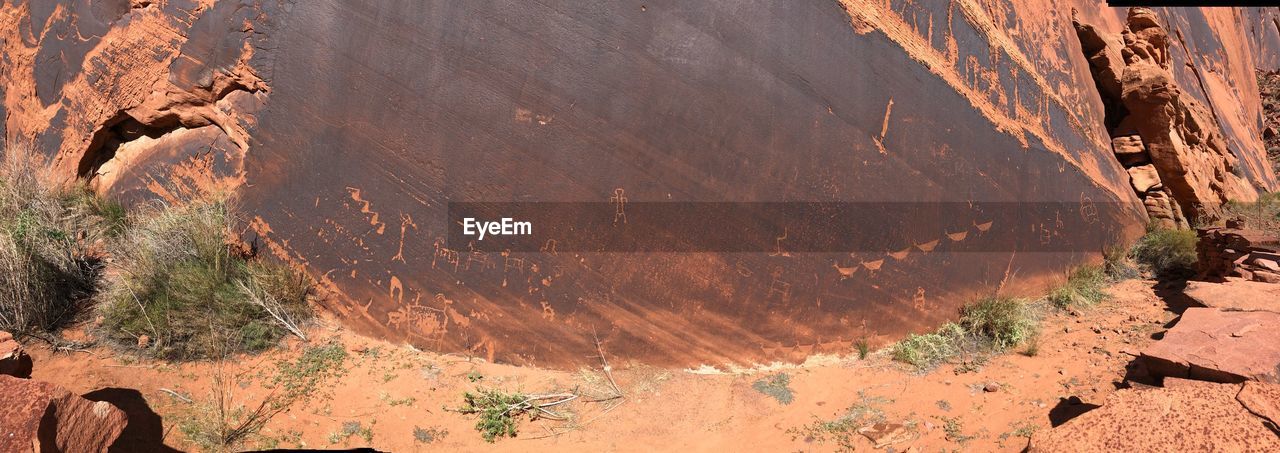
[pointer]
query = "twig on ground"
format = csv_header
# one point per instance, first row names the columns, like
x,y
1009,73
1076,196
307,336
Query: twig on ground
x,y
177,395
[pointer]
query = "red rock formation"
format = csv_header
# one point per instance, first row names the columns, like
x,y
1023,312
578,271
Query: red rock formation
x,y
1172,145
1235,294
349,129
39,416
13,360
1244,253
1189,416
1217,345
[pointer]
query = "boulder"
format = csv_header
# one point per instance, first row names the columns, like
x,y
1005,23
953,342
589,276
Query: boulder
x,y
38,416
1235,294
1143,178
1212,344
1129,150
13,360
1193,416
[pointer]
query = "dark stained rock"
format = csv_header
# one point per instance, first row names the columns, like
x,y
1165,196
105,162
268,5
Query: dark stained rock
x,y
13,360
1193,416
39,416
350,128
1217,345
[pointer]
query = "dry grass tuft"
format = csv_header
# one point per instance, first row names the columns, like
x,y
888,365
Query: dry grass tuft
x,y
51,240
177,279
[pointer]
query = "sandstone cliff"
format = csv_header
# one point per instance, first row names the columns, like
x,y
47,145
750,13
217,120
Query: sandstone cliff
x,y
347,130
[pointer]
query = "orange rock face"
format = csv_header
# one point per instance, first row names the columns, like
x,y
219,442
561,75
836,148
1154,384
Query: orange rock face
x,y
1170,141
348,130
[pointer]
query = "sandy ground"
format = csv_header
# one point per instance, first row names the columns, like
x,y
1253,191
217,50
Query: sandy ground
x,y
400,396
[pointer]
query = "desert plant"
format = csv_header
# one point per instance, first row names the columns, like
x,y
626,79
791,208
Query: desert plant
x,y
1084,287
1117,265
777,386
1169,254
1001,322
928,350
498,411
51,236
863,347
224,424
992,324
176,279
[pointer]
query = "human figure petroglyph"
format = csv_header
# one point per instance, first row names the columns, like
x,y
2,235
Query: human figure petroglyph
x,y
619,199
779,286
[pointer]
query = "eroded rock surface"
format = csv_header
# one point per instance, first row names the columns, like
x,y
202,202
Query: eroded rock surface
x,y
1236,294
1250,254
348,129
1191,416
1219,345
1172,144
38,416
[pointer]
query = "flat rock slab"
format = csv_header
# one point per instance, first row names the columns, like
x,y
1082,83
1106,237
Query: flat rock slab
x,y
1211,344
1193,416
39,416
1236,294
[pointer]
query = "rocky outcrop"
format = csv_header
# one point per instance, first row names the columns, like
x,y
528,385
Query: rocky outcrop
x,y
1190,416
1233,252
13,360
1218,345
1171,144
349,129
1235,295
39,416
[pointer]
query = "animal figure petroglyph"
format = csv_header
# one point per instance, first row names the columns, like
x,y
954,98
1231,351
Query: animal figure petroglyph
x,y
845,272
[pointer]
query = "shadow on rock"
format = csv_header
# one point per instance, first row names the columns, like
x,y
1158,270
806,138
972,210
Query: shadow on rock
x,y
145,431
1171,294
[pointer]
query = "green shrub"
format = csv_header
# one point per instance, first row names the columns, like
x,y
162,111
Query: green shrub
x,y
1084,287
777,386
50,243
497,412
1169,254
928,350
1117,266
1001,322
176,279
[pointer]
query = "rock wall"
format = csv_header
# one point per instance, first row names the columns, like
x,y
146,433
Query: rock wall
x,y
347,130
1170,143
